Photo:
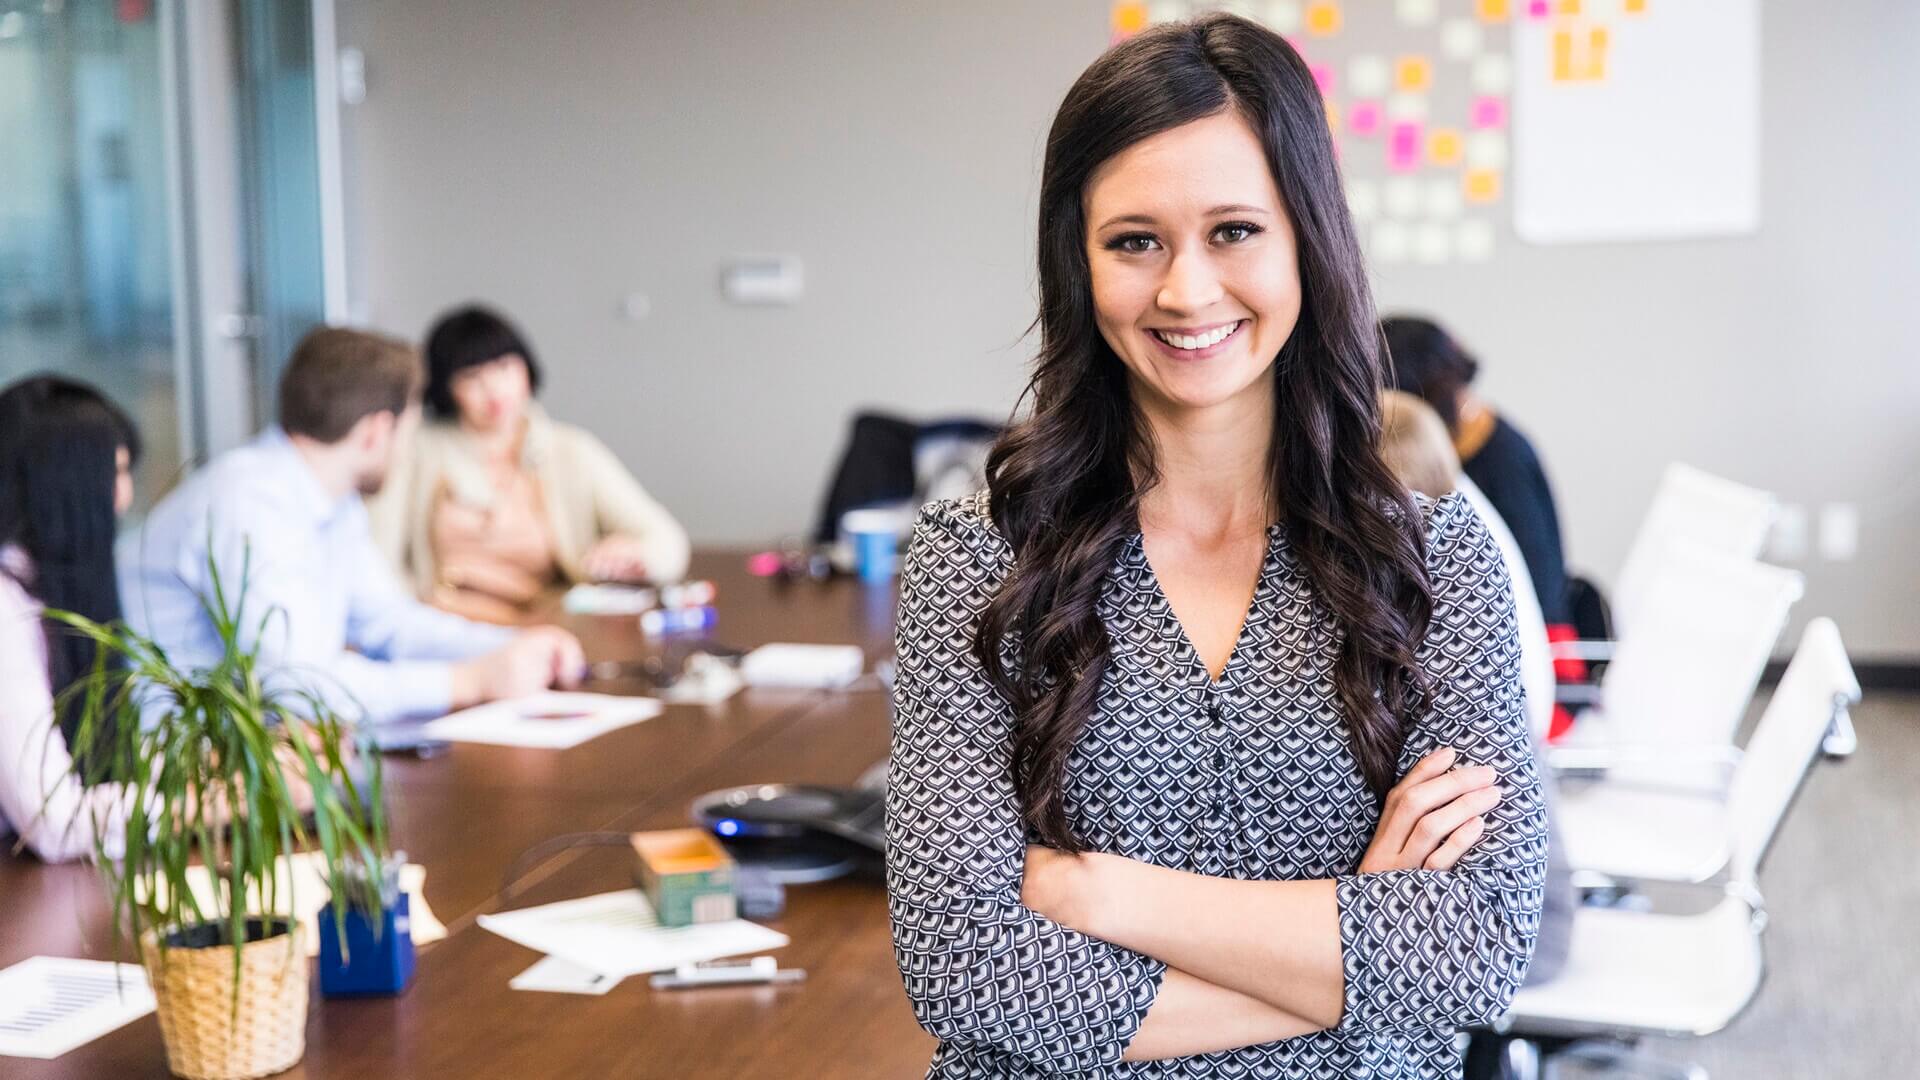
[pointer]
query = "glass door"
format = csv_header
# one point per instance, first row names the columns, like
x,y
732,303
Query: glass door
x,y
87,275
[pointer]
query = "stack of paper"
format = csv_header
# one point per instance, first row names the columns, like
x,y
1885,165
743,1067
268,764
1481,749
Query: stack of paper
x,y
49,1004
596,941
547,721
825,667
592,599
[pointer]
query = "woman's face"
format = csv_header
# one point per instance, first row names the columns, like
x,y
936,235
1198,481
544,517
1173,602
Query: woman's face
x,y
1195,281
492,395
122,481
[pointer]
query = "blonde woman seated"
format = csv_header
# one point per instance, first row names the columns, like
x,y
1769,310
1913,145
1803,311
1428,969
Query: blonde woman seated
x,y
494,502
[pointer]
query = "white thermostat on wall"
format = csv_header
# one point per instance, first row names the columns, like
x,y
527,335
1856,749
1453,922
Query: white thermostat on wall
x,y
762,279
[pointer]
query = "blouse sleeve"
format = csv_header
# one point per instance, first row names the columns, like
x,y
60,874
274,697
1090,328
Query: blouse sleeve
x,y
979,967
39,795
1425,948
623,507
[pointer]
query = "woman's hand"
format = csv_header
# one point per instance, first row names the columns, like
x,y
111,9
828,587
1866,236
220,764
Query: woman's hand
x,y
1433,815
1059,886
616,558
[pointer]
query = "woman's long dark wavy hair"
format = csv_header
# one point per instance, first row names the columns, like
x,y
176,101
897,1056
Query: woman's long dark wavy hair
x,y
1065,483
58,439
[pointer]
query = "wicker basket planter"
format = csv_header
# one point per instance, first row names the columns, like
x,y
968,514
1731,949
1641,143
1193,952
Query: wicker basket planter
x,y
207,1039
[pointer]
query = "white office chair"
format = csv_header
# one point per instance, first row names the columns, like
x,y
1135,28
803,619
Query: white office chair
x,y
1631,974
1697,508
1647,831
1676,691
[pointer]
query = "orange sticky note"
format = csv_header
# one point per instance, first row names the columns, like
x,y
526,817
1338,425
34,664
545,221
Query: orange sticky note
x,y
1482,186
1413,73
1492,10
1563,56
1323,18
1129,18
1444,146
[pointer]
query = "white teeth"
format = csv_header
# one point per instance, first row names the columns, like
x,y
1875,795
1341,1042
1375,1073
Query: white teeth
x,y
1188,341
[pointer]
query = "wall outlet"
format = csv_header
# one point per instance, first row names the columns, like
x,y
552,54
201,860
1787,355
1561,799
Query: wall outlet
x,y
1839,531
1787,542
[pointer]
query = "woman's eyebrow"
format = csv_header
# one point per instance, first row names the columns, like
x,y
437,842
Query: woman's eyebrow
x,y
1149,219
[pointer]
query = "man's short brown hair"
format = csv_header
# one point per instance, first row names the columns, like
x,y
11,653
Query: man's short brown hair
x,y
336,376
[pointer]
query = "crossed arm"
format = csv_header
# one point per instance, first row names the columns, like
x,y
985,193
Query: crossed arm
x,y
1226,988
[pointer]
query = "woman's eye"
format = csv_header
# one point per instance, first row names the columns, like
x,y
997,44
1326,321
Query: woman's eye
x,y
1236,232
1133,243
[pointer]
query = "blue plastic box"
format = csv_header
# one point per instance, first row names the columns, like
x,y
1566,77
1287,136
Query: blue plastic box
x,y
380,966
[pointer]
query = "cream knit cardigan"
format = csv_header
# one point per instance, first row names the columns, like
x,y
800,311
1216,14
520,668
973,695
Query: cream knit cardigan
x,y
587,492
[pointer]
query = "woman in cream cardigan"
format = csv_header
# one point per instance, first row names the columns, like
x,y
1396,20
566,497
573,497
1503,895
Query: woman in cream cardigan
x,y
495,502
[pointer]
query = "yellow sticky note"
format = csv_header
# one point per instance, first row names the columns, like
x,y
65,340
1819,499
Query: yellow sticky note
x,y
1323,18
1333,116
1492,10
1444,146
1129,19
1569,7
1482,186
1413,73
1636,7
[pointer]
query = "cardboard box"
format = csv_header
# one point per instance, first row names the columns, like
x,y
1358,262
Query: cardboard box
x,y
686,874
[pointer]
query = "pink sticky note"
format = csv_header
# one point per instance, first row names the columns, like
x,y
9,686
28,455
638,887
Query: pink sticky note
x,y
1403,147
1490,112
1539,9
1364,117
1322,77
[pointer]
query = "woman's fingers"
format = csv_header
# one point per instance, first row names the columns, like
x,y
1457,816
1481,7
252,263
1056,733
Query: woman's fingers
x,y
1436,827
1448,854
1428,767
1407,804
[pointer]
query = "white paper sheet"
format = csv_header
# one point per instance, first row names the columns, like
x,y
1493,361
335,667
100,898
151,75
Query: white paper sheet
x,y
615,933
558,975
303,877
549,721
51,1004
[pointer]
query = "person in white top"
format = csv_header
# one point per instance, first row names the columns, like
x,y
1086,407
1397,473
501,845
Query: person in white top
x,y
66,455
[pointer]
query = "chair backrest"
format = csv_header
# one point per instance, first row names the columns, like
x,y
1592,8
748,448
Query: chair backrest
x,y
1693,507
1818,684
1687,672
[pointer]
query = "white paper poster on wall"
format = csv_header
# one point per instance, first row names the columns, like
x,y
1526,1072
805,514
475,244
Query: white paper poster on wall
x,y
1637,119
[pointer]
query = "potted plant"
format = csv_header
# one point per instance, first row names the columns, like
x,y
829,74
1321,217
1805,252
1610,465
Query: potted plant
x,y
233,769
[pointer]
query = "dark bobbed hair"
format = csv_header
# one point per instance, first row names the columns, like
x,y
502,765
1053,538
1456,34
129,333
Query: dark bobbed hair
x,y
337,376
1427,362
1065,482
58,437
468,337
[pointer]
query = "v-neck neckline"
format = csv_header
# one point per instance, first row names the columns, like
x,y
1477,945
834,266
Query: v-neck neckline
x,y
1182,641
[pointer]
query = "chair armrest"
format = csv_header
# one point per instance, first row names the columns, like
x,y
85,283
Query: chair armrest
x,y
1590,651
1601,762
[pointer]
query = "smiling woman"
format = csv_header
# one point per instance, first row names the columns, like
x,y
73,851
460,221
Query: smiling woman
x,y
1208,753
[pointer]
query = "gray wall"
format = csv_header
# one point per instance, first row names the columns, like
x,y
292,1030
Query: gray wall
x,y
554,157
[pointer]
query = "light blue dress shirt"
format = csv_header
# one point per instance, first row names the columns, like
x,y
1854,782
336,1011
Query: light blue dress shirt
x,y
340,626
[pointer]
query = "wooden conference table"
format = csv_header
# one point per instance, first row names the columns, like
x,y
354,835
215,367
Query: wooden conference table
x,y
468,814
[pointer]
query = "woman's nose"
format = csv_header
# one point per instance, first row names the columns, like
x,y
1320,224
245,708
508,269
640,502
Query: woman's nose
x,y
1191,284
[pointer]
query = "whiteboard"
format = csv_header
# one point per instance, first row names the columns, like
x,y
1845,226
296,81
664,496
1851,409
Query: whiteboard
x,y
1657,136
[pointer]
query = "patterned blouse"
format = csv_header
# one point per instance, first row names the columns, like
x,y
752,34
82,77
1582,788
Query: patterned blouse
x,y
1248,777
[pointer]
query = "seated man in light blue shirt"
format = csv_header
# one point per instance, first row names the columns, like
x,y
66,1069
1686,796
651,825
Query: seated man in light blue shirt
x,y
284,511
